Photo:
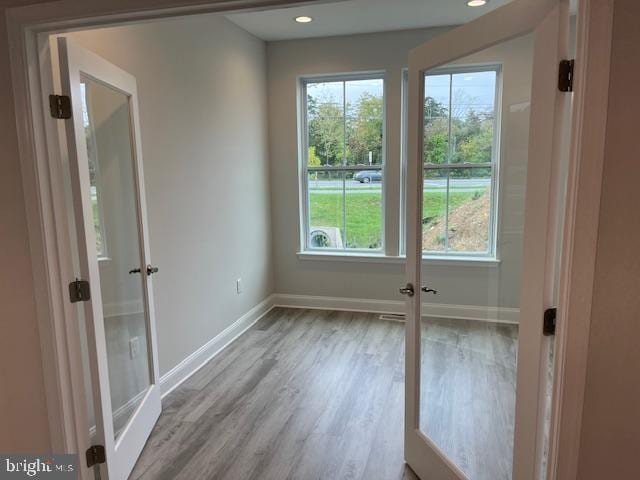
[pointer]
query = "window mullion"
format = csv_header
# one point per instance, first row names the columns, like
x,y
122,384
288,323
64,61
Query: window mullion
x,y
449,156
344,162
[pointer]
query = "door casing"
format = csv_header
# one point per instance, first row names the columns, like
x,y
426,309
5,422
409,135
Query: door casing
x,y
49,242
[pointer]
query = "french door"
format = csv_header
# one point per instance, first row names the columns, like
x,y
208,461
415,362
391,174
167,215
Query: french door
x,y
487,201
105,162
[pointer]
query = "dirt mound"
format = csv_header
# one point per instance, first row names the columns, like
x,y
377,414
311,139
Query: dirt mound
x,y
468,228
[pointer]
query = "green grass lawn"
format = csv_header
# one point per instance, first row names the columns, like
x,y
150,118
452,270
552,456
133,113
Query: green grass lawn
x,y
363,212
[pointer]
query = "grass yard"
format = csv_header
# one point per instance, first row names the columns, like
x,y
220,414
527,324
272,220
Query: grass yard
x,y
363,213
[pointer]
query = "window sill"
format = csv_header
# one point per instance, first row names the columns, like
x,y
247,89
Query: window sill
x,y
350,257
381,258
460,261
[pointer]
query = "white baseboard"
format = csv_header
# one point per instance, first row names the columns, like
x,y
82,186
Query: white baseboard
x,y
120,309
181,372
122,413
462,312
338,303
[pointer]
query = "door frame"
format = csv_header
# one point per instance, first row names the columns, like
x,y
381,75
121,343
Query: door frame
x,y
40,150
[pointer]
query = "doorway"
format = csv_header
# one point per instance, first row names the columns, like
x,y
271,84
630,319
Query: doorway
x,y
441,292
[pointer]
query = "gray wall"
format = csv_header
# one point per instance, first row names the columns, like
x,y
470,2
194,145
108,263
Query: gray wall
x,y
202,94
478,285
610,438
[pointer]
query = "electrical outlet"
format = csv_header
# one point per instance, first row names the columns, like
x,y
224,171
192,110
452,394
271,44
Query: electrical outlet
x,y
239,286
134,347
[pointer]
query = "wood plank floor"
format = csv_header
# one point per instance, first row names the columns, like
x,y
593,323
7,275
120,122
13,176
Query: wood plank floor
x,y
468,386
311,394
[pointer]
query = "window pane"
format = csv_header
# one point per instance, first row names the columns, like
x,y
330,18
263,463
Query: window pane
x,y
436,119
472,116
434,211
364,209
459,126
469,210
345,128
326,209
325,123
364,120
92,154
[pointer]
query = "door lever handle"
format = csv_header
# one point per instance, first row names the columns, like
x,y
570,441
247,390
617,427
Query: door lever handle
x,y
135,270
426,289
407,290
151,270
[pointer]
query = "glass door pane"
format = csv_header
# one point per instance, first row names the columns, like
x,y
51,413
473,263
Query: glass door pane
x,y
107,126
476,143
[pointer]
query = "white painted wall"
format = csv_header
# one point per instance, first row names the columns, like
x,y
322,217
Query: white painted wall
x,y
202,88
478,285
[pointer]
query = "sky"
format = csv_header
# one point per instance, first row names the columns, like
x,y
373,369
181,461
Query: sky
x,y
471,91
353,90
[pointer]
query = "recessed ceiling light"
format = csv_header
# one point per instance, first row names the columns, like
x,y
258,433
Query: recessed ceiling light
x,y
476,3
305,19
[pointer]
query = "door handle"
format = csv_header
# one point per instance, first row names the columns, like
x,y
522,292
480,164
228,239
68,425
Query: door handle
x,y
151,270
408,290
135,270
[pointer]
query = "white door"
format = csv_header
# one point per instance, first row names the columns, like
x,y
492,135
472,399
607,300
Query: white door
x,y
484,135
105,160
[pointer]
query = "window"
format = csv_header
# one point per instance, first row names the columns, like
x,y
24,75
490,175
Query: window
x,y
343,163
94,177
460,162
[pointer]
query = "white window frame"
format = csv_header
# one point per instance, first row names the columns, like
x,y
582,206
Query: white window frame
x,y
303,153
492,254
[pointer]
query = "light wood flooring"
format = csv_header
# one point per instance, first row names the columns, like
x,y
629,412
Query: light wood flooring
x,y
311,394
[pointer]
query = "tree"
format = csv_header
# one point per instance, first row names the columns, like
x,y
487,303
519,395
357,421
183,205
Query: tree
x,y
326,129
433,110
476,146
436,148
313,160
436,131
364,130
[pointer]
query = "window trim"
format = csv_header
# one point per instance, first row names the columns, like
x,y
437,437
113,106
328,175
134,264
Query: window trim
x,y
303,168
359,257
492,255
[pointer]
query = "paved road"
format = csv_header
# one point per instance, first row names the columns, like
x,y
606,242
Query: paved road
x,y
461,184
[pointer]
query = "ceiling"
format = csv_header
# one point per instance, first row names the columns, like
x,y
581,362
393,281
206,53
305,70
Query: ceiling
x,y
358,16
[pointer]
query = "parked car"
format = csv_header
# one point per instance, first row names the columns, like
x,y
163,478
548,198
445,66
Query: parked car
x,y
368,176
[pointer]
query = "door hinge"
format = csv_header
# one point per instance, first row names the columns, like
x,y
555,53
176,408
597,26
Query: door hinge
x,y
95,455
565,75
79,291
549,322
60,106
